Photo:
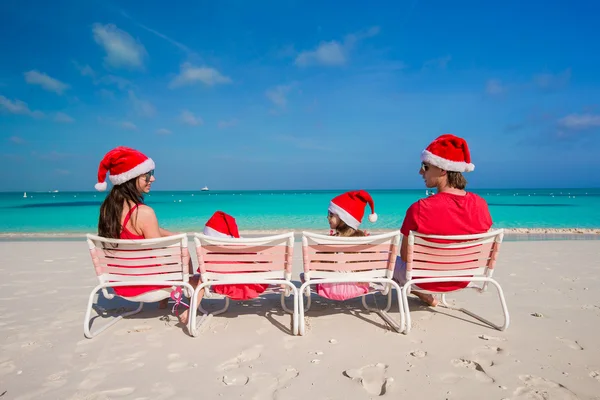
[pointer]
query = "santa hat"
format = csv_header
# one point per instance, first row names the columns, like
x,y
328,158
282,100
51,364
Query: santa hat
x,y
449,153
123,164
221,225
350,207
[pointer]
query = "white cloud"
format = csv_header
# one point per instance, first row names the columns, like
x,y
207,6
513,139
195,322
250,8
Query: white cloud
x,y
130,126
121,83
227,124
107,94
122,50
18,107
189,75
17,140
62,117
85,70
163,131
141,107
278,95
327,53
333,53
34,77
549,81
580,121
494,87
441,62
188,118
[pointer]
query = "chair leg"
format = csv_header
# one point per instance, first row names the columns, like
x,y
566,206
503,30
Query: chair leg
x,y
194,327
444,303
485,321
294,312
301,309
397,326
86,322
407,323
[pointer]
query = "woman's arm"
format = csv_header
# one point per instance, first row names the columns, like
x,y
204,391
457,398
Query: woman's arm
x,y
164,232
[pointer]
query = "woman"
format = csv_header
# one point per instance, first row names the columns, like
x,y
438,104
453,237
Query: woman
x,y
123,214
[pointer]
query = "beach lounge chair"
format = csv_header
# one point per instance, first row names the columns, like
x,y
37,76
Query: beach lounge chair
x,y
333,259
260,260
464,258
145,262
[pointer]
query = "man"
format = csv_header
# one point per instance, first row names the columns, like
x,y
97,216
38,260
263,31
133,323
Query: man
x,y
451,211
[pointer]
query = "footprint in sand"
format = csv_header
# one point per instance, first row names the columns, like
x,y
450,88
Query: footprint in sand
x,y
493,338
541,388
92,380
574,344
480,373
595,375
489,350
372,378
271,386
6,367
247,355
179,366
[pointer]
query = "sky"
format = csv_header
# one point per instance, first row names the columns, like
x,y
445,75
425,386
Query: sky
x,y
299,94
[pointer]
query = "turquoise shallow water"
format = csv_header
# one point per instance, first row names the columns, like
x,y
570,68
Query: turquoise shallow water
x,y
77,212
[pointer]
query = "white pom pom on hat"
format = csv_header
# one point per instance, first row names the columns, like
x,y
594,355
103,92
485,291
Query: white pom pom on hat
x,y
373,218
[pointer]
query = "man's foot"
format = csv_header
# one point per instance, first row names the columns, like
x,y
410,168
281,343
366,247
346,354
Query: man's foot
x,y
429,299
163,304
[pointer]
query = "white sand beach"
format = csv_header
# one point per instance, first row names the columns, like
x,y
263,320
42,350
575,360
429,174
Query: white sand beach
x,y
550,350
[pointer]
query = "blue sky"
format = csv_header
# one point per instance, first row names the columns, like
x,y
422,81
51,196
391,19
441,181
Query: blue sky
x,y
299,94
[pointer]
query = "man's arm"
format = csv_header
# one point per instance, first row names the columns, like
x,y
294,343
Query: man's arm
x,y
409,224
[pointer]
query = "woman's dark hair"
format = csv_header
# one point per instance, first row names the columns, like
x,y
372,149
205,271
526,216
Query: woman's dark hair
x,y
456,180
109,223
344,230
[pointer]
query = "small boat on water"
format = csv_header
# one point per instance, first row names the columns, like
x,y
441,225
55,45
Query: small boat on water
x,y
24,195
204,189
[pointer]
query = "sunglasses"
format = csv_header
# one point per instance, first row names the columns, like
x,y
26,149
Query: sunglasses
x,y
424,167
149,175
330,214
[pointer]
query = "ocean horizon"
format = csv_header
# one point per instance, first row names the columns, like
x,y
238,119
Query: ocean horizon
x,y
77,212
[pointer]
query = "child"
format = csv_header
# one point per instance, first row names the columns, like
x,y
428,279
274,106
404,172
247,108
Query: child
x,y
345,214
224,225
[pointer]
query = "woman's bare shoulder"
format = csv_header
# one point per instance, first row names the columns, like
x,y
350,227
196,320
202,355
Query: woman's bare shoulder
x,y
145,211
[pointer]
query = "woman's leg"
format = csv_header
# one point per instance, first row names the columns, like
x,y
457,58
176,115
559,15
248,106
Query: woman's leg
x,y
184,316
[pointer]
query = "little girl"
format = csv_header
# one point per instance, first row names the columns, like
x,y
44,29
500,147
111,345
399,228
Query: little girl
x,y
345,215
224,225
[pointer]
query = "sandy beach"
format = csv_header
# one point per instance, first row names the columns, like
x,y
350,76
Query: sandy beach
x,y
547,352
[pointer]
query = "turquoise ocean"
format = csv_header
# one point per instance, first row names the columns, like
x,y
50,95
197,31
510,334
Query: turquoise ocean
x,y
77,212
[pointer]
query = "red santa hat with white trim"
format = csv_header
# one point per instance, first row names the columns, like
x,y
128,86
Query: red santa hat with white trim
x,y
449,153
123,164
221,225
350,207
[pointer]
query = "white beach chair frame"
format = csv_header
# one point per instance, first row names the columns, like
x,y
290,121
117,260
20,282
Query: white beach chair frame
x,y
473,255
264,260
370,258
121,266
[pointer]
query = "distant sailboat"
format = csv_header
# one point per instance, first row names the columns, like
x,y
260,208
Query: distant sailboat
x,y
204,189
24,195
